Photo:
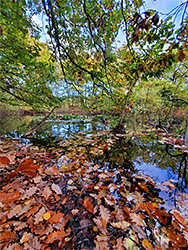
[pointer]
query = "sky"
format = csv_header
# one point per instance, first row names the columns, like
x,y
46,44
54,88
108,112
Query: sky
x,y
164,6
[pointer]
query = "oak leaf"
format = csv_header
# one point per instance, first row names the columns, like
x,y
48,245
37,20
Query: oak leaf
x,y
56,189
55,218
26,237
46,192
32,244
32,211
15,246
14,211
122,224
39,215
9,197
119,245
101,243
7,236
104,213
58,236
28,193
28,168
137,219
99,225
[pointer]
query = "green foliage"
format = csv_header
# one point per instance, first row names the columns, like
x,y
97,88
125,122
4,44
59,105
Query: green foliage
x,y
26,65
83,34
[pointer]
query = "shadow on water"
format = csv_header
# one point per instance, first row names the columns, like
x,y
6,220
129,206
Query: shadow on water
x,y
135,154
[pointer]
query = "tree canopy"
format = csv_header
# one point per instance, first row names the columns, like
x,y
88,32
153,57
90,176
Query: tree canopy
x,y
82,41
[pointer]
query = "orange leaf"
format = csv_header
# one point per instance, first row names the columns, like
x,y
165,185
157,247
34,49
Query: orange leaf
x,y
56,217
7,236
9,197
147,245
88,205
4,160
179,218
28,168
58,236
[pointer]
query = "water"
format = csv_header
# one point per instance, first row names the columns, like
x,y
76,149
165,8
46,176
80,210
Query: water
x,y
139,153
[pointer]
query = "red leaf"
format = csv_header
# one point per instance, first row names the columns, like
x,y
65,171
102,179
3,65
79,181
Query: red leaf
x,y
88,205
9,197
58,236
4,160
28,168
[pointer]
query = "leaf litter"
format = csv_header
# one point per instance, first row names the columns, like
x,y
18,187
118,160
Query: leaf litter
x,y
65,199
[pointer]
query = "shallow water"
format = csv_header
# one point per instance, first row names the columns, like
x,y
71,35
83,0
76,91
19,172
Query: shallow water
x,y
136,153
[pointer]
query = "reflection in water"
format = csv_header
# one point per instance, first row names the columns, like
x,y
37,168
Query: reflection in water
x,y
134,154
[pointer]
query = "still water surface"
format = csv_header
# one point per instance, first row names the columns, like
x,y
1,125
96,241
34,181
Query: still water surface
x,y
139,153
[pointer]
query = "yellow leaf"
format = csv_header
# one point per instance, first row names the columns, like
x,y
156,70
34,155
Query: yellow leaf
x,y
64,167
185,52
147,245
46,216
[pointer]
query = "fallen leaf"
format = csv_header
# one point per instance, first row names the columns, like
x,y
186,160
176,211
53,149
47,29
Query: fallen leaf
x,y
7,236
147,245
14,211
26,236
104,213
137,219
122,224
88,205
9,197
119,245
58,236
39,215
46,216
55,218
4,160
101,243
46,192
179,218
56,189
28,193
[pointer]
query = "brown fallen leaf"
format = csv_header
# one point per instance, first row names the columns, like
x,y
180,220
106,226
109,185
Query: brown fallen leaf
x,y
56,189
14,211
32,244
136,218
58,236
46,192
179,218
7,236
28,193
9,197
26,237
119,245
101,243
55,218
88,205
4,160
124,225
28,168
39,216
15,246
105,214
32,211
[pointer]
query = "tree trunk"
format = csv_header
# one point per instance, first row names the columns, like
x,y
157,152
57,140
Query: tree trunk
x,y
186,132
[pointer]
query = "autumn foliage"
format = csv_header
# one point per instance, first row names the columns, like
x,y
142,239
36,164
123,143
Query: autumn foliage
x,y
61,199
